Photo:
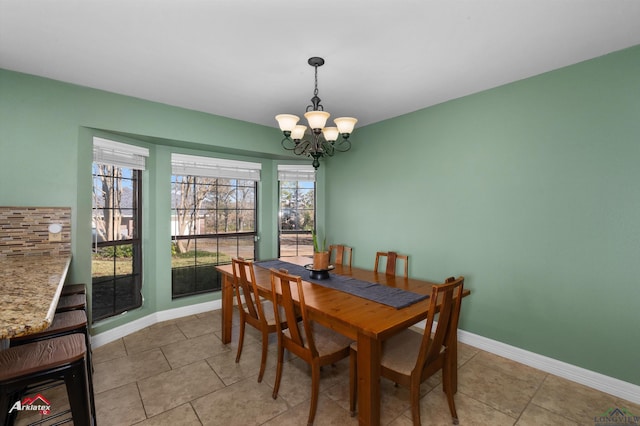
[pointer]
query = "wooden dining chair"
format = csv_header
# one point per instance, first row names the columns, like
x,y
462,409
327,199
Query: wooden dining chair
x,y
409,357
392,257
310,341
254,311
340,252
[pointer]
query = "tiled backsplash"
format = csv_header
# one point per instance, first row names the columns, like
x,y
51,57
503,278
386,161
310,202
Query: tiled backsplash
x,y
25,231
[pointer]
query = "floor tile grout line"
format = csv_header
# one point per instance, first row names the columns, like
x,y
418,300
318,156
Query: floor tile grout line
x,y
489,405
547,376
144,408
166,359
533,396
195,412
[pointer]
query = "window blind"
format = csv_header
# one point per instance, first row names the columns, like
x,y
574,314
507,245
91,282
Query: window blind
x,y
119,154
303,173
193,165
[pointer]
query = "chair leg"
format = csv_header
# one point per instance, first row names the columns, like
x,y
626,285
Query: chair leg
x,y
241,339
353,381
263,360
445,377
452,408
276,385
448,389
315,391
414,394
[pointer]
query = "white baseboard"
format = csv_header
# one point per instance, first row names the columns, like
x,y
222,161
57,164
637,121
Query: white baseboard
x,y
610,385
137,325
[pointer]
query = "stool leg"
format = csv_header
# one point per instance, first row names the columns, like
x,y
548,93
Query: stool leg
x,y
5,405
7,399
87,338
77,390
92,400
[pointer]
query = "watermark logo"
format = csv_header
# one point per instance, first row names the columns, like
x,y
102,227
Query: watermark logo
x,y
37,403
618,417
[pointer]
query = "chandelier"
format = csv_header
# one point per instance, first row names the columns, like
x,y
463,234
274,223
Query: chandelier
x,y
323,141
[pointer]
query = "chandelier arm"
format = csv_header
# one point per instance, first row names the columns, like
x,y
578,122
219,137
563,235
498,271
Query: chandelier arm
x,y
328,148
302,148
288,144
342,145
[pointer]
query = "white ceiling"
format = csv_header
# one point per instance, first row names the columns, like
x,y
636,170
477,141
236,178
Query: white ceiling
x,y
247,59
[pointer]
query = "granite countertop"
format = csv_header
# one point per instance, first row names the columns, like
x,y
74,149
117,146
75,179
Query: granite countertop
x,y
30,287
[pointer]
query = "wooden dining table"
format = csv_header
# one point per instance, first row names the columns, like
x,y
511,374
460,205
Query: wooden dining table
x,y
365,321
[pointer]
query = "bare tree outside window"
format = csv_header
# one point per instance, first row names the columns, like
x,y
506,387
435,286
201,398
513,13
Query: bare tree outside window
x,y
107,197
297,218
116,266
212,221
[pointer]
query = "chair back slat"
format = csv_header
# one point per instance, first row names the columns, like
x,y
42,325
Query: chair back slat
x,y
244,279
340,251
452,326
392,258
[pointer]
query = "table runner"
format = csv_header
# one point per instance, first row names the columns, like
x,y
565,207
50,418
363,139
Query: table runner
x,y
390,296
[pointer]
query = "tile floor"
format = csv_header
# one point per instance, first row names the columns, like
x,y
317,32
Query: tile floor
x,y
179,373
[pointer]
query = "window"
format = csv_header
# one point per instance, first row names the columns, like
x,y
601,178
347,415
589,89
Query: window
x,y
297,212
116,266
213,219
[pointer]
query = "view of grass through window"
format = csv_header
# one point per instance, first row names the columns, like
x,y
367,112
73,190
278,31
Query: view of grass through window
x,y
212,221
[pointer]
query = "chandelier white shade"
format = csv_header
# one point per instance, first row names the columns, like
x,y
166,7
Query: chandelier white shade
x,y
345,124
287,122
298,132
317,119
323,141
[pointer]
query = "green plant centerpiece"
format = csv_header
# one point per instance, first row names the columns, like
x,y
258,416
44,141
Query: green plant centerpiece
x,y
320,253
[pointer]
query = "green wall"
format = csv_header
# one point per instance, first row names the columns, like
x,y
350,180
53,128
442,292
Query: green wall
x,y
46,131
531,191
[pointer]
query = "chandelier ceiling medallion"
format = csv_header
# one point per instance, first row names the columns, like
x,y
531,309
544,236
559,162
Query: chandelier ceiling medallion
x,y
323,141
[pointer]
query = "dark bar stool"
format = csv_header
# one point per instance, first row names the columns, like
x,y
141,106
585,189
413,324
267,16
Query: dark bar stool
x,y
72,302
71,289
59,358
65,323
